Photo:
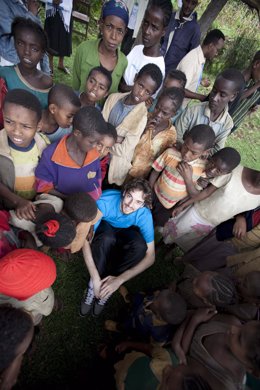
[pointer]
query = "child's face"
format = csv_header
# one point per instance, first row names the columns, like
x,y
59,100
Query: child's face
x,y
191,150
144,86
85,144
96,87
256,71
113,30
202,285
28,48
20,124
216,167
63,115
165,109
104,145
222,93
169,82
241,339
214,49
152,28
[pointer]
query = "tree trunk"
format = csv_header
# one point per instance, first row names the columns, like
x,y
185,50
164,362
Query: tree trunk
x,y
209,15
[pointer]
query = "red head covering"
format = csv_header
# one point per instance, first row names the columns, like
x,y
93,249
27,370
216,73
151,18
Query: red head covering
x,y
25,272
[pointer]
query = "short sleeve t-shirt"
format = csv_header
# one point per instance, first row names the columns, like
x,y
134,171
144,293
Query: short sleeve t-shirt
x,y
110,206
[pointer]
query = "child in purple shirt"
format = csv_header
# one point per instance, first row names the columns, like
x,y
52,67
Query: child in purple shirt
x,y
72,164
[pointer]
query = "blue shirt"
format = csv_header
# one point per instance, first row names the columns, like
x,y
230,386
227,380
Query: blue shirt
x,y
110,206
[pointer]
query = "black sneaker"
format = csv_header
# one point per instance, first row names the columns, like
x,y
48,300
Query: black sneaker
x,y
87,302
97,308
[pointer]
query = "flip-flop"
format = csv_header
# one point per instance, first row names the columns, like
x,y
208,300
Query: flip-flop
x,y
65,70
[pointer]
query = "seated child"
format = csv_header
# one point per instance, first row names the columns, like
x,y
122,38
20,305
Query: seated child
x,y
31,44
97,86
128,113
72,165
249,100
15,338
155,21
82,209
159,133
240,193
206,289
57,119
171,186
152,316
174,78
214,112
26,277
20,149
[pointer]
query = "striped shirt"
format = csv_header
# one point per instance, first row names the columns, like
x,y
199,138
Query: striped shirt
x,y
245,105
170,186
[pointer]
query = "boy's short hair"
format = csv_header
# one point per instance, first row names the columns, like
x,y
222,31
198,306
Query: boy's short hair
x,y
154,72
223,291
55,230
15,325
89,120
60,94
24,98
104,72
27,23
176,95
213,36
202,135
140,185
229,156
174,308
165,6
80,207
177,75
235,76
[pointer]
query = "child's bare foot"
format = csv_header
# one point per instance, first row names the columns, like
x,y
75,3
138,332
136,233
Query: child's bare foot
x,y
125,294
111,326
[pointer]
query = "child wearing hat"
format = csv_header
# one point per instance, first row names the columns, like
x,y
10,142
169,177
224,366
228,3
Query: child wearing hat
x,y
26,277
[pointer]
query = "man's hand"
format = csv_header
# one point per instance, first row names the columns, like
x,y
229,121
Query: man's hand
x,y
109,285
25,209
239,228
185,170
203,182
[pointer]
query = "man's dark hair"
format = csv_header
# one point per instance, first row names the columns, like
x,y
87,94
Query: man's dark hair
x,y
176,95
202,135
141,185
24,98
213,37
80,207
165,6
28,24
61,94
55,230
15,325
154,72
229,156
235,76
89,120
104,72
177,75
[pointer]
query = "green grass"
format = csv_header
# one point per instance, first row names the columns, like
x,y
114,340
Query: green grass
x,y
67,344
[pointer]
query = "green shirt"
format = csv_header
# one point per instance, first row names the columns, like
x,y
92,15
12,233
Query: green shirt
x,y
87,58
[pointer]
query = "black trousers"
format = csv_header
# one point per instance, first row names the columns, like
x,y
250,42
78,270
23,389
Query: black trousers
x,y
116,250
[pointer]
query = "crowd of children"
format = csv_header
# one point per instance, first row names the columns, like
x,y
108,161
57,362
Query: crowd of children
x,y
97,168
